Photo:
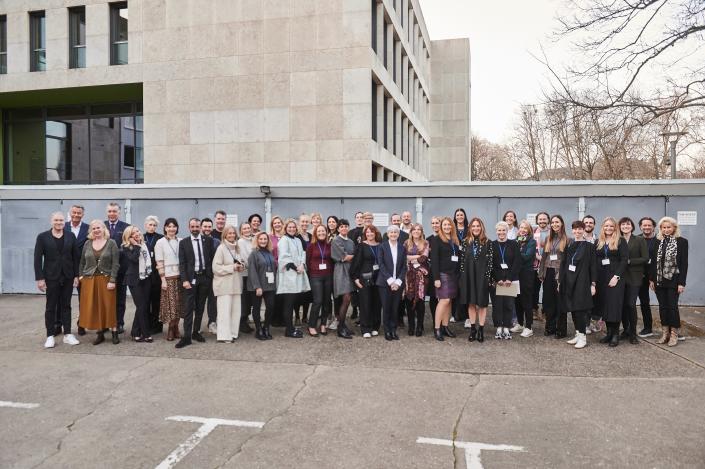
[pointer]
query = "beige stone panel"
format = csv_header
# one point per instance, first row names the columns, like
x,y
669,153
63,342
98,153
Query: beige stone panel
x,y
198,173
304,61
202,12
177,96
251,10
226,39
177,154
303,33
250,64
329,150
356,29
277,90
276,8
226,92
302,123
250,125
276,124
328,6
154,129
250,91
154,96
161,174
329,87
275,172
276,63
251,152
250,37
253,172
357,149
302,171
202,41
201,127
303,8
225,153
356,5
276,151
330,170
151,52
134,47
357,86
359,57
203,93
357,121
302,151
97,19
329,27
154,15
178,130
228,11
358,170
227,173
275,35
224,126
178,13
201,154
57,56
330,59
329,122
303,88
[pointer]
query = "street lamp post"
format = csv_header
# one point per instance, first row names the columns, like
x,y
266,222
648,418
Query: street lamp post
x,y
672,147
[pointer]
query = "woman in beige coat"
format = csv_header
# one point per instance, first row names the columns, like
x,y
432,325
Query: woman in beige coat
x,y
228,265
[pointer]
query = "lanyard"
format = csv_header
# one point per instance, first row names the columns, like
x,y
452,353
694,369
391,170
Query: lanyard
x,y
461,234
375,250
452,247
606,250
175,251
501,251
231,254
322,251
151,240
554,245
577,250
475,248
267,260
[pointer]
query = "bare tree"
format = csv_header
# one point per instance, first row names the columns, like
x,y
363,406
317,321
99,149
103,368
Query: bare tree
x,y
492,162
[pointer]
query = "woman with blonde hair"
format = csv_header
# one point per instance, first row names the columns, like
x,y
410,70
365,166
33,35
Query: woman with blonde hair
x,y
292,279
612,256
527,279
97,272
262,283
549,269
445,261
138,273
475,277
667,276
417,264
228,265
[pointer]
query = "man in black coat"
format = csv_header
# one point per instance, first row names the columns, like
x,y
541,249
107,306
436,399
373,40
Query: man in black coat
x,y
56,260
80,230
116,228
196,271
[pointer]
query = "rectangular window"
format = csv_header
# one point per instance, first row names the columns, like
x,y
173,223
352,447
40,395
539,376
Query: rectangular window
x,y
118,33
77,37
37,41
373,28
3,44
374,111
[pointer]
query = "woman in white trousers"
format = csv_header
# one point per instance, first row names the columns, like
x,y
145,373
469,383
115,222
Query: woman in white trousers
x,y
228,264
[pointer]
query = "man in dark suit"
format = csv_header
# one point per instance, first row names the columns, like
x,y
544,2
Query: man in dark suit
x,y
116,228
80,231
396,220
56,260
196,271
212,305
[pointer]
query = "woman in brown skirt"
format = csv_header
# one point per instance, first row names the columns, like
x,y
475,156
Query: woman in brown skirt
x,y
97,273
166,253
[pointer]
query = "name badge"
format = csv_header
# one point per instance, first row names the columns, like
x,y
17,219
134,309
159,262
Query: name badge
x,y
553,257
605,262
193,282
375,267
504,266
152,254
270,277
571,267
322,266
416,265
649,261
454,258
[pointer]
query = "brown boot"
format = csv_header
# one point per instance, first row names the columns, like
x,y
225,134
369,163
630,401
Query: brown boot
x,y
169,332
177,334
673,340
666,334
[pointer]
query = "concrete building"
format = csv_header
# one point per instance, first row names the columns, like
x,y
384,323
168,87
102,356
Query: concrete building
x,y
201,91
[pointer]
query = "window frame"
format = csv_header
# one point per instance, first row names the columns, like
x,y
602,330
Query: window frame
x,y
3,44
115,8
37,41
76,15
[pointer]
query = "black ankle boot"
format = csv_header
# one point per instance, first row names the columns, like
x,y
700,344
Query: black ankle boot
x,y
438,334
614,340
260,334
99,338
116,338
447,332
473,333
481,334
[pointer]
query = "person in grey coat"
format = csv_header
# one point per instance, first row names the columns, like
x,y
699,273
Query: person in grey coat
x,y
342,252
262,283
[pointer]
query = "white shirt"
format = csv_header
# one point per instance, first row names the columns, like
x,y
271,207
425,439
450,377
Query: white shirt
x,y
591,238
197,244
393,279
75,229
167,251
405,229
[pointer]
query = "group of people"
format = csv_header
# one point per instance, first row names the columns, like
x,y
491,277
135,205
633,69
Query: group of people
x,y
307,272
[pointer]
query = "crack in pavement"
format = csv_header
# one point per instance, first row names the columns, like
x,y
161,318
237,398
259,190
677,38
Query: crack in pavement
x,y
460,416
304,385
111,394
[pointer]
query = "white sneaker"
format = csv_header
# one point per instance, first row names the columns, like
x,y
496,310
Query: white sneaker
x,y
468,324
517,328
574,340
452,319
506,335
213,328
375,333
527,332
50,342
71,340
366,335
498,333
588,331
333,326
582,341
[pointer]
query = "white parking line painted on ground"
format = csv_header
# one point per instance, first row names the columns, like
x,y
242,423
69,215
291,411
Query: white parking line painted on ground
x,y
207,426
18,405
472,450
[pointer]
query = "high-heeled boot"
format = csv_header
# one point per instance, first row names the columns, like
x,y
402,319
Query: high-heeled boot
x,y
473,333
116,337
438,335
666,335
447,332
481,334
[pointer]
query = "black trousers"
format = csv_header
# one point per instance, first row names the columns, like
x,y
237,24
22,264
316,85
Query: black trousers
x,y
390,307
268,297
288,304
415,311
121,301
321,289
141,296
57,317
277,311
645,304
194,304
155,295
580,319
556,317
246,302
502,308
537,290
58,299
525,301
668,306
370,309
631,292
212,308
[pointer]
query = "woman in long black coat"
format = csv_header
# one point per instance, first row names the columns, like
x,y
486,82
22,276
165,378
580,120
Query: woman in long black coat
x,y
612,255
577,279
475,276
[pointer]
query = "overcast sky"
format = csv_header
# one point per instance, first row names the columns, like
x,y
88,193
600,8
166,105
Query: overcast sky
x,y
502,35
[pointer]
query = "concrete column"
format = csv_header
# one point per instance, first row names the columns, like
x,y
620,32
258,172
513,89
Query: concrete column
x,y
380,30
380,114
390,48
405,13
397,63
380,173
405,77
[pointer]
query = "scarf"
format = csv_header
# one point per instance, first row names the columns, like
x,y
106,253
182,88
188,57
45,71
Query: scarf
x,y
145,262
666,259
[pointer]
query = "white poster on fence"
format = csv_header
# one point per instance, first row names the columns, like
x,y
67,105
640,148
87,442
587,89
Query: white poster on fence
x,y
688,217
380,220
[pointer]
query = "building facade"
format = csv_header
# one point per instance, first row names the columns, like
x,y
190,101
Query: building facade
x,y
228,91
